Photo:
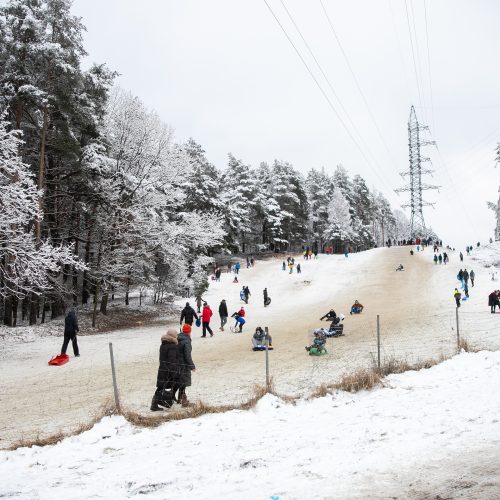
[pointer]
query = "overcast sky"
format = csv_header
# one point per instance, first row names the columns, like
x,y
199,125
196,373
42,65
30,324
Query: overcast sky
x,y
223,72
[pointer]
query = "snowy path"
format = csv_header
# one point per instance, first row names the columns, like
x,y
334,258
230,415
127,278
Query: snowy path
x,y
428,434
417,321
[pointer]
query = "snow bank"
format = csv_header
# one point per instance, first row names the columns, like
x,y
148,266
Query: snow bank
x,y
434,431
488,255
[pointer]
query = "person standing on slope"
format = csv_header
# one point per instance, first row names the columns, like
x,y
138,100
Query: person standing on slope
x,y
461,257
299,269
246,292
188,315
70,330
223,314
460,277
186,365
435,259
266,297
205,319
199,300
472,275
466,277
168,371
440,258
457,296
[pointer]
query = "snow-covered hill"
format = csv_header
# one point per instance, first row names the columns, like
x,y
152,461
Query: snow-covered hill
x,y
428,434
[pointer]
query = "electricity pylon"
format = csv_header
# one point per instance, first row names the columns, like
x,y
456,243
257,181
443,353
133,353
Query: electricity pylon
x,y
415,173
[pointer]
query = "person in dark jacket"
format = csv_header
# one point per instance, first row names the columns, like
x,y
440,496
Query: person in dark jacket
x,y
223,314
186,365
457,296
266,297
70,331
168,371
188,315
472,275
246,293
493,300
466,277
461,257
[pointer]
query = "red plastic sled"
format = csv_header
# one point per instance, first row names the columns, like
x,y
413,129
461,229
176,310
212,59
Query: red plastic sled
x,y
60,359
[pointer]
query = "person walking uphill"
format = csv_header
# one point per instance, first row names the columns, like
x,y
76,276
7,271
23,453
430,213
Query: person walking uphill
x,y
186,365
70,331
205,319
472,275
168,372
457,296
223,314
199,300
188,315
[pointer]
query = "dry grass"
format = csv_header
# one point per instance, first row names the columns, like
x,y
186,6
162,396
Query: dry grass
x,y
196,409
107,409
464,345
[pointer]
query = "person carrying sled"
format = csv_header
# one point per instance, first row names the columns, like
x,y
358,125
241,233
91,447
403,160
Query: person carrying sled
x,y
70,330
205,318
168,372
356,308
457,296
260,338
188,315
223,314
185,363
266,298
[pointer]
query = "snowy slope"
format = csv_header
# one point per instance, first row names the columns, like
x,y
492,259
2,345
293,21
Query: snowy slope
x,y
428,433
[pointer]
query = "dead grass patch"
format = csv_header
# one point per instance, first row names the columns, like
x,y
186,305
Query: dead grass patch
x,y
464,345
107,409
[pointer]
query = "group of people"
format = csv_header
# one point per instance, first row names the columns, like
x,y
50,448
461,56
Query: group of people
x,y
290,264
174,372
441,258
463,276
308,253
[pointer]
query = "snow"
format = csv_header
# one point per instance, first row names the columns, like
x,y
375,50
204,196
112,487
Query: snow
x,y
432,432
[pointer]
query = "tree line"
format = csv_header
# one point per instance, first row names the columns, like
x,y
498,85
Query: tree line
x,y
97,196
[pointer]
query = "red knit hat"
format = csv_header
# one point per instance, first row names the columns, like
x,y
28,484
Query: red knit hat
x,y
186,329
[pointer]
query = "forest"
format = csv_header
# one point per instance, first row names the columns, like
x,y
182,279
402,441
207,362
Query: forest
x,y
98,196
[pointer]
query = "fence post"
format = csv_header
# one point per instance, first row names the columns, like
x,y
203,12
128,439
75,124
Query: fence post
x,y
115,386
378,342
267,358
458,329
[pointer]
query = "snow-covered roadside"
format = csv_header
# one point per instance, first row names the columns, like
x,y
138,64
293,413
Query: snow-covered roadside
x,y
428,433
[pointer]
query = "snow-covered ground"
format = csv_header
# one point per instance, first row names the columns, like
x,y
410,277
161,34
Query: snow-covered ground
x,y
428,434
417,318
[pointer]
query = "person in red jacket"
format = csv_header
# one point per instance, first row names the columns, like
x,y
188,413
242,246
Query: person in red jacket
x,y
206,314
241,312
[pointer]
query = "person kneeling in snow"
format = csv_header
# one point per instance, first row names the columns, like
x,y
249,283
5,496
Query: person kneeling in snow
x,y
259,340
356,308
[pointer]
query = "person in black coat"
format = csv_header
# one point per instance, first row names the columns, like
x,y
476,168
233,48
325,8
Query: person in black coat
x,y
168,372
223,314
188,315
70,331
186,365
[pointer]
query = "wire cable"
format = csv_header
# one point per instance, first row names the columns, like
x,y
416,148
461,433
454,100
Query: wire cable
x,y
356,81
325,95
429,66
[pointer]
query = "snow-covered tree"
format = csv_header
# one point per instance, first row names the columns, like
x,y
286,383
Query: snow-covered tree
x,y
339,230
26,266
319,192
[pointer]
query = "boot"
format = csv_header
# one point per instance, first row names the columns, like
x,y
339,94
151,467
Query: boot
x,y
184,401
154,406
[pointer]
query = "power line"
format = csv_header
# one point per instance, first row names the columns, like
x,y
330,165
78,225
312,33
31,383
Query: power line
x,y
330,84
413,55
417,51
358,86
325,95
429,65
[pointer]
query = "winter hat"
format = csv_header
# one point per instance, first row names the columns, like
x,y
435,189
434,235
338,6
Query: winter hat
x,y
186,329
169,335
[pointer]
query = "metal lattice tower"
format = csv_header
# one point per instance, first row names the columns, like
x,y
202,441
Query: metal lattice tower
x,y
415,173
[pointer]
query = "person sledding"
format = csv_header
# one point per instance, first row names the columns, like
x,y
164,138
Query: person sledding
x,y
356,308
317,348
261,340
400,268
239,321
331,315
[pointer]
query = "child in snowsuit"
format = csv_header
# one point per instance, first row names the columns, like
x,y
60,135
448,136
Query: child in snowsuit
x,y
457,296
